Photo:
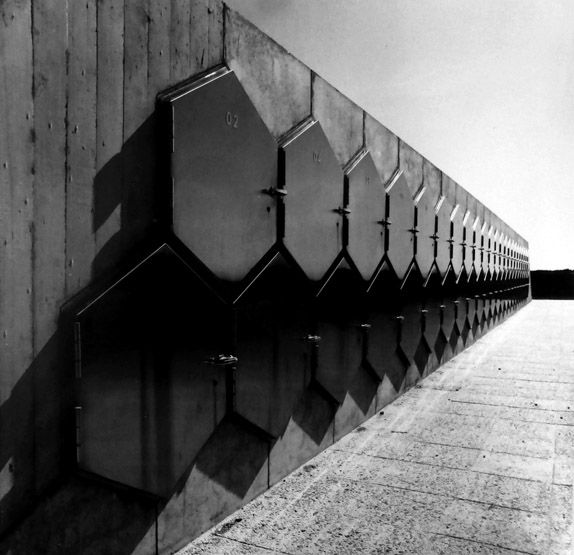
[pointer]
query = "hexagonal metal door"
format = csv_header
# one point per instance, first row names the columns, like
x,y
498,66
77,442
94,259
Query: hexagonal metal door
x,y
448,309
462,322
471,311
383,343
272,319
339,319
467,243
443,210
223,161
411,326
495,253
477,312
148,402
476,246
367,213
503,260
425,226
457,226
413,296
431,323
484,263
314,203
400,216
384,355
503,256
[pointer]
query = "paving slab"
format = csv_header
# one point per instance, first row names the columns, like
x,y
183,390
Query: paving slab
x,y
477,458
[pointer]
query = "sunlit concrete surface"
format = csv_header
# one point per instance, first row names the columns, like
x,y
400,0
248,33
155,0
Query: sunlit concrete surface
x,y
478,458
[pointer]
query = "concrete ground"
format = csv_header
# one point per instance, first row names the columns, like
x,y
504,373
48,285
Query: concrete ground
x,y
477,458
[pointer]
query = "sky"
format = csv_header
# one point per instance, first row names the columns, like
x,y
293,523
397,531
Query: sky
x,y
482,88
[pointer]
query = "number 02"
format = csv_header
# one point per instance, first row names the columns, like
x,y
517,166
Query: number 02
x,y
232,120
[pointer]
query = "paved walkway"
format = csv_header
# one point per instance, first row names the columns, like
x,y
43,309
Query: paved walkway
x,y
478,458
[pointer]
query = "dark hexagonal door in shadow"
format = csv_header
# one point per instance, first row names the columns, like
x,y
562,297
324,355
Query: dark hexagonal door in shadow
x,y
273,319
385,355
433,338
147,402
340,315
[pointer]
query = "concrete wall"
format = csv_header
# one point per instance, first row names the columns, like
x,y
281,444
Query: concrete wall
x,y
78,165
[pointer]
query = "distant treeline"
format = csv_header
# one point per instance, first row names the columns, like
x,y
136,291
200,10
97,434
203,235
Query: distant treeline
x,y
548,284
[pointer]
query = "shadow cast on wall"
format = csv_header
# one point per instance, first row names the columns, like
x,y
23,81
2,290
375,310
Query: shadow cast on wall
x,y
124,196
44,506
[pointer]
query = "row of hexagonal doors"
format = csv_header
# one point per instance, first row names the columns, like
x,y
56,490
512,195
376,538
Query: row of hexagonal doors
x,y
236,192
149,402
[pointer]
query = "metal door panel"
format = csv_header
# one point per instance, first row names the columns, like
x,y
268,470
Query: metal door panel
x,y
486,245
411,331
273,368
340,325
386,356
448,309
223,160
401,216
383,311
314,184
148,402
457,225
476,246
470,310
442,212
383,338
461,312
477,322
432,319
468,241
503,259
425,228
367,206
462,320
495,253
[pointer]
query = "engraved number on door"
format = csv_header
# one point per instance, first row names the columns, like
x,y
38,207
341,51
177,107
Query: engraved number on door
x,y
232,120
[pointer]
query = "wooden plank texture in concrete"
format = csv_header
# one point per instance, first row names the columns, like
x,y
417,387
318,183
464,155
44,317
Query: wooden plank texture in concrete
x,y
477,458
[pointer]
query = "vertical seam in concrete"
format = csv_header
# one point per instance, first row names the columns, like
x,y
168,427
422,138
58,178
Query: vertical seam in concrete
x,y
97,94
311,91
33,253
225,15
66,145
124,79
148,18
364,129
